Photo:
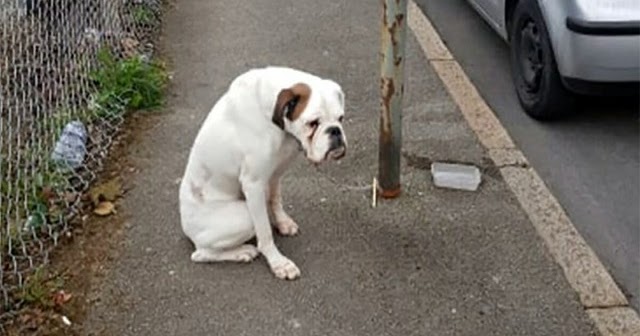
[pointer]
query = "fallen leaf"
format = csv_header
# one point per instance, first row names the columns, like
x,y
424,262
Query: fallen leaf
x,y
129,45
108,191
25,318
104,208
61,297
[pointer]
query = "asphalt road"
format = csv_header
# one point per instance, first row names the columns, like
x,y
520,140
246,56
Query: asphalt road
x,y
590,161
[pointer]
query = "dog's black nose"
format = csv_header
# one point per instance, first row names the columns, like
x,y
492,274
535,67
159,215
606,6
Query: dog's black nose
x,y
334,131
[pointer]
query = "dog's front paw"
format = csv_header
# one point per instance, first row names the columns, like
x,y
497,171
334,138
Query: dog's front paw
x,y
285,269
287,226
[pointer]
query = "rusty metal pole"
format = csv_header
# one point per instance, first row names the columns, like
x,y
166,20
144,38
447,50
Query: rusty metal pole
x,y
392,46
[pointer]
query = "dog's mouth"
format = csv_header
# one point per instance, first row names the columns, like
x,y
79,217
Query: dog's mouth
x,y
331,155
336,154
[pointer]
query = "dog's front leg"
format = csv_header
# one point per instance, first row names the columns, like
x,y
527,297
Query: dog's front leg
x,y
255,191
283,222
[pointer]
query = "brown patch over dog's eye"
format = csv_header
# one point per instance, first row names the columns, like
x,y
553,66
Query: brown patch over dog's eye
x,y
301,93
290,103
291,106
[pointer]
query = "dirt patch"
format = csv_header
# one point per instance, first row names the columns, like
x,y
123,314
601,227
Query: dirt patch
x,y
84,256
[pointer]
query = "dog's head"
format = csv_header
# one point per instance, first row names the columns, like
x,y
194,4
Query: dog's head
x,y
313,114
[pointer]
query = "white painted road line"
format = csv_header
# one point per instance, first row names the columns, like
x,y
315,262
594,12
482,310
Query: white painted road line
x,y
598,293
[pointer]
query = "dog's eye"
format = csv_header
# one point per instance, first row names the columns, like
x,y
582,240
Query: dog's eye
x,y
314,123
340,119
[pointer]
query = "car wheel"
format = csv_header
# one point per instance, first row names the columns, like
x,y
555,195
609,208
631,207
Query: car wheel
x,y
535,73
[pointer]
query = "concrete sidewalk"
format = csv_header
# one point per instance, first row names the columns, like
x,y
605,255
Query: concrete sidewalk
x,y
433,262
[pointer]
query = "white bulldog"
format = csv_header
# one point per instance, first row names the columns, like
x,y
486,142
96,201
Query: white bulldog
x,y
231,183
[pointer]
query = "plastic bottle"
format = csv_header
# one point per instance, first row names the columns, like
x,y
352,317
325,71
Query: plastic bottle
x,y
70,149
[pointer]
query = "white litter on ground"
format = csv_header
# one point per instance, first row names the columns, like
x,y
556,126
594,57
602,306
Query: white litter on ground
x,y
455,176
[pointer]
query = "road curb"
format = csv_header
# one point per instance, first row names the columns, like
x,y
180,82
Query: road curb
x,y
600,296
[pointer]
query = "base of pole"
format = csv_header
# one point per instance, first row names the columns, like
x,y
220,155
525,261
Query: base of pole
x,y
390,193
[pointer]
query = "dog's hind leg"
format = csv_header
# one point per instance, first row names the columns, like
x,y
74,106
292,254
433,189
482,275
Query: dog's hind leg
x,y
242,253
223,232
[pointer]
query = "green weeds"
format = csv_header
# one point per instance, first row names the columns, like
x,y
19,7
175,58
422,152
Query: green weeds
x,y
142,15
39,287
127,84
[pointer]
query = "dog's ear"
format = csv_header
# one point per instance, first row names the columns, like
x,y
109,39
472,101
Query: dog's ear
x,y
280,109
290,103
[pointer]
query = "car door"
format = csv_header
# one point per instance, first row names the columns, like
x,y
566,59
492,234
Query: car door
x,y
492,11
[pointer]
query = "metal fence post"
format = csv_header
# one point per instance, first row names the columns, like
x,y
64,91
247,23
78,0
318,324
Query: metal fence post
x,y
392,47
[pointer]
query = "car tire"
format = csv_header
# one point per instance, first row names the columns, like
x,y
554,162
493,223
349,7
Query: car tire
x,y
538,84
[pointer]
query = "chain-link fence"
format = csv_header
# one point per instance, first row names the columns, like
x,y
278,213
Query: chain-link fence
x,y
54,128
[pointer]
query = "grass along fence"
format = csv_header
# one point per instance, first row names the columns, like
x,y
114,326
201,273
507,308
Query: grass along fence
x,y
70,70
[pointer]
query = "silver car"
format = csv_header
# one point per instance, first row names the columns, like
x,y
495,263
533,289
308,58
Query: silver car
x,y
562,48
